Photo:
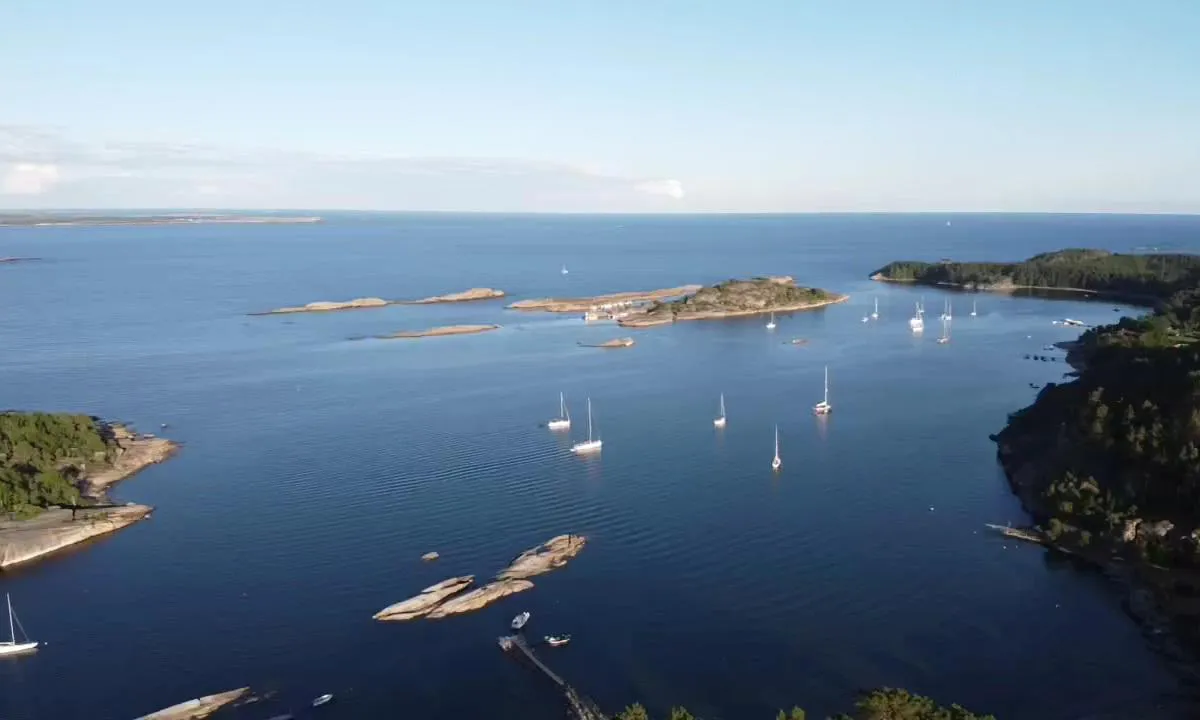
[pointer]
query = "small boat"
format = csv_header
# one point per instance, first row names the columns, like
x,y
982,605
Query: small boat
x,y
322,699
11,646
945,338
590,445
563,421
557,640
866,318
875,312
771,322
719,421
973,310
776,463
823,407
519,621
565,270
946,312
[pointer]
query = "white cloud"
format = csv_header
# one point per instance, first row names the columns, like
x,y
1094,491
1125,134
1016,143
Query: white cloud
x,y
669,188
29,179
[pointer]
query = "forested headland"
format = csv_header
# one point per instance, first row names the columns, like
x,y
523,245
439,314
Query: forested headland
x,y
44,455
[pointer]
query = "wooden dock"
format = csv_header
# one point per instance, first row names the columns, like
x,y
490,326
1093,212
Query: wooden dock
x,y
581,707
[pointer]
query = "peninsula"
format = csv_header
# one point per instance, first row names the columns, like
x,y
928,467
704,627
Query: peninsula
x,y
734,298
586,304
331,306
1108,464
1136,279
58,219
439,332
54,472
465,296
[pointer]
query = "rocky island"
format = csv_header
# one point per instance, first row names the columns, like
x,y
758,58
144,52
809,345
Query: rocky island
x,y
734,298
54,472
447,597
331,306
198,708
439,331
624,342
586,304
465,296
1137,279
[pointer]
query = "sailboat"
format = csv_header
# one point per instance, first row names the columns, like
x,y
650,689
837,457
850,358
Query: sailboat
x,y
12,647
565,270
823,407
771,322
917,321
945,338
776,463
563,421
973,312
946,311
719,421
875,314
590,445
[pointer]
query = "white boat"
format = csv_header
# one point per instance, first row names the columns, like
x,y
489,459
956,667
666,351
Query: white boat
x,y
322,699
563,421
564,270
12,647
973,310
946,311
945,338
771,322
519,621
557,640
866,318
776,463
875,313
917,321
719,421
590,445
823,407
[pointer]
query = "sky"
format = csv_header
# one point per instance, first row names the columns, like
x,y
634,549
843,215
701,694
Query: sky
x,y
602,106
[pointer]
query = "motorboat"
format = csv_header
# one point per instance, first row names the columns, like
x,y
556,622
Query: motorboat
x,y
519,621
557,640
322,699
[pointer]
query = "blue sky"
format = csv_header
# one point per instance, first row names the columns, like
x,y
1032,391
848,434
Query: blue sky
x,y
616,105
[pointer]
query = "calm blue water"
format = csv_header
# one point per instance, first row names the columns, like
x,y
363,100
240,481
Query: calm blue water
x,y
316,470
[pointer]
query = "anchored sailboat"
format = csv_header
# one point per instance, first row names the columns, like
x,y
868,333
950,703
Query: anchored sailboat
x,y
875,314
823,407
12,647
776,463
563,421
719,421
564,270
917,321
771,322
973,312
590,445
945,338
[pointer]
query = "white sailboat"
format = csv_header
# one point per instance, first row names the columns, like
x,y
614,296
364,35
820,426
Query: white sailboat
x,y
917,321
12,647
973,311
823,407
719,421
771,322
590,445
776,463
564,270
945,311
945,338
563,421
875,313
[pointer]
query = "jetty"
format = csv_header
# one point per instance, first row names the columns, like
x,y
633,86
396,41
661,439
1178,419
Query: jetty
x,y
582,708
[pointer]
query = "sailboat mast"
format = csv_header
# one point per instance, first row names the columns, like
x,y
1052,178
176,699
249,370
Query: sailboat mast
x,y
826,384
12,632
722,404
589,419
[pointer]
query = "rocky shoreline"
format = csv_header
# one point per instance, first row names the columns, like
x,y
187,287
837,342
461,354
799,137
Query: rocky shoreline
x,y
471,295
1012,288
636,321
439,332
584,304
56,529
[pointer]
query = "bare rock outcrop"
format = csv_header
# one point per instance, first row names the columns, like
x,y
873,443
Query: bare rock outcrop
x,y
25,540
479,598
552,554
197,708
331,306
464,296
423,604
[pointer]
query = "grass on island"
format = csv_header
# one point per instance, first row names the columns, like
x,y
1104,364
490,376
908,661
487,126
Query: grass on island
x,y
741,296
42,456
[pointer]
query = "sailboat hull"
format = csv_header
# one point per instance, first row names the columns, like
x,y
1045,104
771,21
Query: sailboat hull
x,y
719,422
7,648
559,424
591,446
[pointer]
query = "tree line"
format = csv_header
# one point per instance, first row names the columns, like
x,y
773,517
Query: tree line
x,y
881,704
42,456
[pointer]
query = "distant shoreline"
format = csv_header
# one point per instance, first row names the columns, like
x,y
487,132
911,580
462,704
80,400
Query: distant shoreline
x,y
51,220
1011,289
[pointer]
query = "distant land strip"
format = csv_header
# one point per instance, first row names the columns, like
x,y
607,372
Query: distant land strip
x,y
57,220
